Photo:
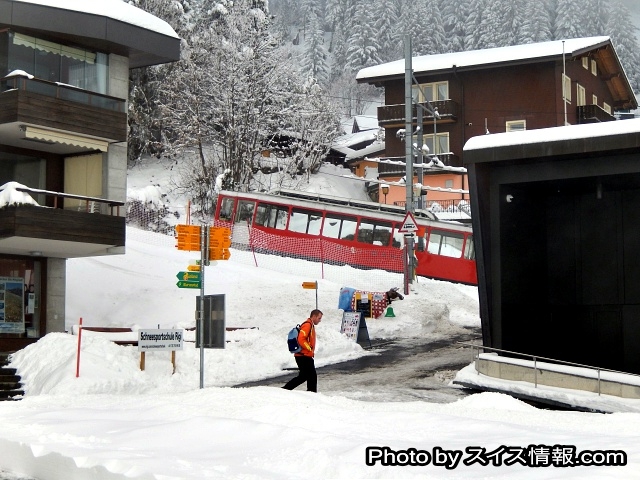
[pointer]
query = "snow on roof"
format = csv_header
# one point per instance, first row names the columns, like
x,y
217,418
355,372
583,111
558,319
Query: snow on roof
x,y
473,58
366,122
115,9
353,139
554,134
375,147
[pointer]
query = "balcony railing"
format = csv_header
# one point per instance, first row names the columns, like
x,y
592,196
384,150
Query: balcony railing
x,y
63,92
449,159
448,111
593,114
89,204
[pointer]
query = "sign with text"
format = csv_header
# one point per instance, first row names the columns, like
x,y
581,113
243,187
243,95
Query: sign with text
x,y
160,340
409,224
354,326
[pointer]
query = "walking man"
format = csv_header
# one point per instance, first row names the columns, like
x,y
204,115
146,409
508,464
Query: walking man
x,y
304,358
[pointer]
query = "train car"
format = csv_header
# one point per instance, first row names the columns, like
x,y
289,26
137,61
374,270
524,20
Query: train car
x,y
343,231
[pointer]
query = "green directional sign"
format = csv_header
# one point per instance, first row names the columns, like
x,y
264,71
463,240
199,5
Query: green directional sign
x,y
195,276
188,284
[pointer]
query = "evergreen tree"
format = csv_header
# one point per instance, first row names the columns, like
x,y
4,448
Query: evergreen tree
x,y
625,41
314,61
363,49
595,14
454,18
477,25
536,26
387,15
568,18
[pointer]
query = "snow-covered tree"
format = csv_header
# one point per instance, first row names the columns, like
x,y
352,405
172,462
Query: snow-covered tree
x,y
454,18
314,60
536,26
568,19
363,49
625,41
387,14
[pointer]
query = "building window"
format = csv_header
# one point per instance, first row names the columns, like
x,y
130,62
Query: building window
x,y
430,92
581,96
55,62
566,88
606,107
440,146
516,126
594,100
585,63
448,183
594,67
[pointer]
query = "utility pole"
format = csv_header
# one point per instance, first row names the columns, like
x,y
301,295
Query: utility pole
x,y
408,144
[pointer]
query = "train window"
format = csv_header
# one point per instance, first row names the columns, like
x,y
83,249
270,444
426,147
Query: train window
x,y
305,221
245,211
448,244
398,238
470,249
376,233
226,209
341,227
272,216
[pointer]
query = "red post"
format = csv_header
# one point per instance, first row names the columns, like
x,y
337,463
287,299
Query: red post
x,y
78,355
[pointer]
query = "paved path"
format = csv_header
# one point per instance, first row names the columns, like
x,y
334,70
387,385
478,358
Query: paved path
x,y
400,370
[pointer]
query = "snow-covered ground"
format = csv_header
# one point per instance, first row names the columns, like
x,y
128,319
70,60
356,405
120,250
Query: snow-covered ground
x,y
115,421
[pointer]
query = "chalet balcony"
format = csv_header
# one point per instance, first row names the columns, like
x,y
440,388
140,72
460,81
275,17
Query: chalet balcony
x,y
391,170
393,115
46,105
92,227
593,114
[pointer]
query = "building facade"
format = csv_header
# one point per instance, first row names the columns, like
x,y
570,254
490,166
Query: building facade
x,y
505,89
63,129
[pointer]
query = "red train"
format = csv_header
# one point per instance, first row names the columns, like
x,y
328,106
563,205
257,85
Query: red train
x,y
342,231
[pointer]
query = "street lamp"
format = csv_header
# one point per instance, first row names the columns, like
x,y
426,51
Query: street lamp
x,y
385,190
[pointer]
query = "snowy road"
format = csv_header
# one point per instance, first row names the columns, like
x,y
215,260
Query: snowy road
x,y
416,369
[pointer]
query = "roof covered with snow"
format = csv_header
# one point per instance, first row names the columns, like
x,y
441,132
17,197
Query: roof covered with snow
x,y
108,25
539,142
473,59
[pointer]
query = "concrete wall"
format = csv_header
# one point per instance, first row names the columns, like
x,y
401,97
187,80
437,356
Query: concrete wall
x,y
542,376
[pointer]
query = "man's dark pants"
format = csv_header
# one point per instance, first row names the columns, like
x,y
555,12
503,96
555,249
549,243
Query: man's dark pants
x,y
307,374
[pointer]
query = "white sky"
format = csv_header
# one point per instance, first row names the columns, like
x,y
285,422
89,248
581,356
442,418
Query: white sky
x,y
117,422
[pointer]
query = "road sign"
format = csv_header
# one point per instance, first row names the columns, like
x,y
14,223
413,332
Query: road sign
x,y
195,276
409,224
222,242
188,230
193,268
219,254
188,284
190,244
310,285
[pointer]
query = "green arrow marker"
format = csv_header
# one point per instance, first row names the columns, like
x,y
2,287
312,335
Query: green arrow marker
x,y
194,276
182,284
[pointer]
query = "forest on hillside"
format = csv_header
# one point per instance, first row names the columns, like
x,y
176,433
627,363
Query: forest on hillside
x,y
277,76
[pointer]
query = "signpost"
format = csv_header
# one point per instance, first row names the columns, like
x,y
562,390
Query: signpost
x,y
354,326
157,339
311,286
213,244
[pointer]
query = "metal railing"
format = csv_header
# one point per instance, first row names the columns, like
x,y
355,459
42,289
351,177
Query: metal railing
x,y
535,358
90,202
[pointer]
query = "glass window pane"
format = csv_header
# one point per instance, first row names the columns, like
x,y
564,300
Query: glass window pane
x,y
450,244
365,232
331,228
443,143
245,211
382,234
226,209
262,215
348,230
280,217
443,91
315,222
469,249
299,220
434,243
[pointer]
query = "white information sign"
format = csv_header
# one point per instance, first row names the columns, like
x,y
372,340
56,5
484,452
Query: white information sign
x,y
149,340
350,325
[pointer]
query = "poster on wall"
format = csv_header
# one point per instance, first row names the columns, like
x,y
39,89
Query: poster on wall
x,y
11,305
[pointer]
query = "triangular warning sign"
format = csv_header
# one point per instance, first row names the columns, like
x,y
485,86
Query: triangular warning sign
x,y
409,224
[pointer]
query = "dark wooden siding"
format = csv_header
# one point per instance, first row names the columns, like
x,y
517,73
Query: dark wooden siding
x,y
63,225
33,108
